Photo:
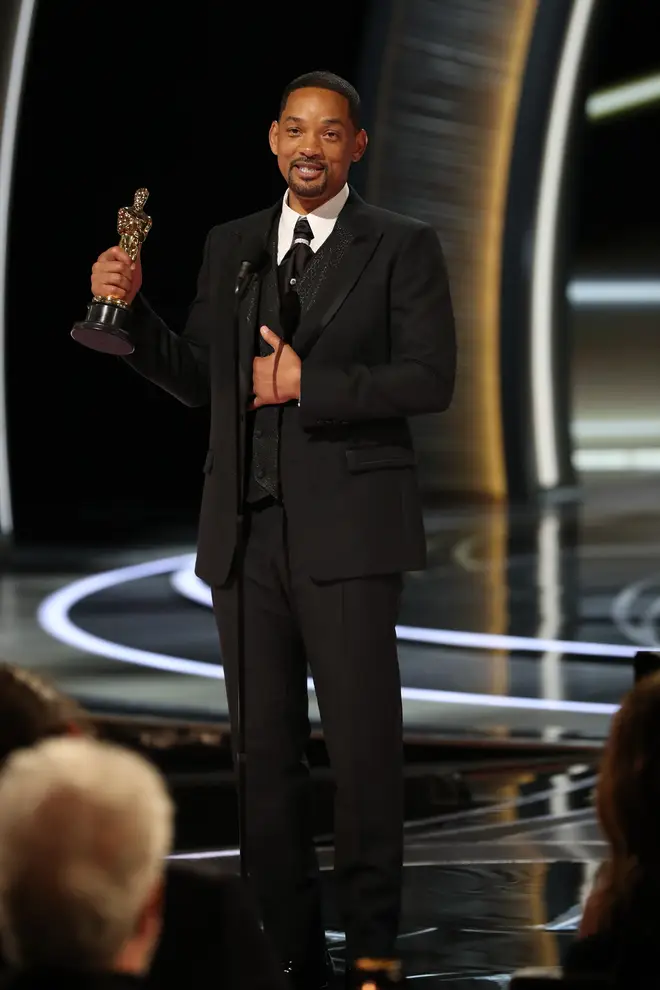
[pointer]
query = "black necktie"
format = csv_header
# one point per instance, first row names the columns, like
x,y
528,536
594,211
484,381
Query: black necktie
x,y
292,266
300,251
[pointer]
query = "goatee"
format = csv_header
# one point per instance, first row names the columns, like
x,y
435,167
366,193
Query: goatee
x,y
308,190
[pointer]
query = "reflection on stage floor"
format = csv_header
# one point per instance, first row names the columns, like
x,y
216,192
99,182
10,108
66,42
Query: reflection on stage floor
x,y
523,625
515,648
498,861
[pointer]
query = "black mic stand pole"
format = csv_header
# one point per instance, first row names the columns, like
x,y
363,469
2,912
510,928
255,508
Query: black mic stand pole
x,y
239,556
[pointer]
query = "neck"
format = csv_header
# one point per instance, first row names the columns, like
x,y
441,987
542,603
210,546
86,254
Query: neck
x,y
305,206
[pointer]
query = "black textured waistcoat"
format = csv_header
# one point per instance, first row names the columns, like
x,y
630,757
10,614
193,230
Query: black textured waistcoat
x,y
263,478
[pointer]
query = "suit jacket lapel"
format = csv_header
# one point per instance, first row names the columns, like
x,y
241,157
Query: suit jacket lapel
x,y
260,226
248,312
354,222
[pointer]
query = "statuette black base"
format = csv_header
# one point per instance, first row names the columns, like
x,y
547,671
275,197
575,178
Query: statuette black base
x,y
105,329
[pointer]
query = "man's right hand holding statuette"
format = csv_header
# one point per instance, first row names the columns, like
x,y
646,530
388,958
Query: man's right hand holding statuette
x,y
114,274
116,280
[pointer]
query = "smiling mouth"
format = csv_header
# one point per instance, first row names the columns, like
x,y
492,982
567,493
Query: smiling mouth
x,y
308,170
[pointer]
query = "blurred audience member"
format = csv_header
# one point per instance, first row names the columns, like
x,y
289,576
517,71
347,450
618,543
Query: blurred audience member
x,y
621,921
85,827
211,932
32,710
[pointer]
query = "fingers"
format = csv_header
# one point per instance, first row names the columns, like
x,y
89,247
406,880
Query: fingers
x,y
113,278
101,269
271,338
109,292
265,371
115,254
112,266
109,284
113,274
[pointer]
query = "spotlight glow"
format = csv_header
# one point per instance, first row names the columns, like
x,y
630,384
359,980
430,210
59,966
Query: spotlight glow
x,y
643,459
624,98
8,130
610,292
545,249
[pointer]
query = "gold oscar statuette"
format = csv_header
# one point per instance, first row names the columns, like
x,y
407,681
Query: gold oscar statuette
x,y
106,325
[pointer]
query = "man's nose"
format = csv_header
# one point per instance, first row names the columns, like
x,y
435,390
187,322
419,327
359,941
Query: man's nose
x,y
311,149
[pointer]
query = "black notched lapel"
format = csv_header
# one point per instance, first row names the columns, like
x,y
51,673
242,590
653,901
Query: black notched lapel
x,y
355,221
258,227
364,234
248,313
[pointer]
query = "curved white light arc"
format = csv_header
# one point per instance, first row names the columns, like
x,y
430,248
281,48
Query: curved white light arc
x,y
54,618
187,584
8,129
545,249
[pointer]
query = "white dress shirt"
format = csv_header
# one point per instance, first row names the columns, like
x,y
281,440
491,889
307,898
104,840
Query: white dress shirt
x,y
322,222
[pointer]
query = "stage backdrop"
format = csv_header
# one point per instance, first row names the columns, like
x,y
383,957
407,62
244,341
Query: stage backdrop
x,y
473,112
472,108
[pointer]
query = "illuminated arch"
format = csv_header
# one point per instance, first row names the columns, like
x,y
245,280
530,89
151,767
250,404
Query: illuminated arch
x,y
16,17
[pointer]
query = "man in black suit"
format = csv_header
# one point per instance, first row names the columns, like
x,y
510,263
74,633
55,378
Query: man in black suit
x,y
345,329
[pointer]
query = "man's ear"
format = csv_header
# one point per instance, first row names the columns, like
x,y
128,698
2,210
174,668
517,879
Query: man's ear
x,y
361,142
273,136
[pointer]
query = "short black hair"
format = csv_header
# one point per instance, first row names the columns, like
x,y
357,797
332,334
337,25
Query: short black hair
x,y
326,80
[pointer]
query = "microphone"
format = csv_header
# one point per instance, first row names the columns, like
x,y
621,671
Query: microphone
x,y
254,255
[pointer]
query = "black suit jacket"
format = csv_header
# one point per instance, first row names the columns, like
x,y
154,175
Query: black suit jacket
x,y
377,346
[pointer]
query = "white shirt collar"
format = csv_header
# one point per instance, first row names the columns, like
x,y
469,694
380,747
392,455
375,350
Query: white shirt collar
x,y
329,210
321,220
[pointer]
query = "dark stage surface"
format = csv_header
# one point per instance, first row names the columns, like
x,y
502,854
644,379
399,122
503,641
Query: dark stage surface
x,y
522,627
515,649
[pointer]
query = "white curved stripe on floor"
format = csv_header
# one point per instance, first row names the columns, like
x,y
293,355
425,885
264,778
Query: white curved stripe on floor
x,y
185,581
54,618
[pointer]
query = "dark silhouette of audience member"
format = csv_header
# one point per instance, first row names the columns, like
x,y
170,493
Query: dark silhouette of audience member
x,y
85,828
211,933
31,710
620,930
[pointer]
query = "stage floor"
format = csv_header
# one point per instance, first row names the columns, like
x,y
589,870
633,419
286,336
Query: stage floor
x,y
523,625
493,885
515,648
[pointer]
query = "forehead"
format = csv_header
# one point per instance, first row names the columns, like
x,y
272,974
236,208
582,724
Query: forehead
x,y
312,103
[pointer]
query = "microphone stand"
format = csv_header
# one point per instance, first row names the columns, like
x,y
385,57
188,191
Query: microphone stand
x,y
239,418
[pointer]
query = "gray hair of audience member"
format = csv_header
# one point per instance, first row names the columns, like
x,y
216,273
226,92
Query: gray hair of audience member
x,y
85,827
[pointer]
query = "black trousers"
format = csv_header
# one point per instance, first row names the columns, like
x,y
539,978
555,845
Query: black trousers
x,y
345,631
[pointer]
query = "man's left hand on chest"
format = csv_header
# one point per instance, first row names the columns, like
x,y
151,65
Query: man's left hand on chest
x,y
276,378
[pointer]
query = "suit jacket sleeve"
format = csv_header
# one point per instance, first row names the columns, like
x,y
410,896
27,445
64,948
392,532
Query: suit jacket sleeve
x,y
419,378
177,363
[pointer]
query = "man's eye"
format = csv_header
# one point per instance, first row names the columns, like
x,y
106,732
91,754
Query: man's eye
x,y
293,131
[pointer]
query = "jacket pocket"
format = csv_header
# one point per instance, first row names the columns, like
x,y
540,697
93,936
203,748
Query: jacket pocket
x,y
375,458
208,462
